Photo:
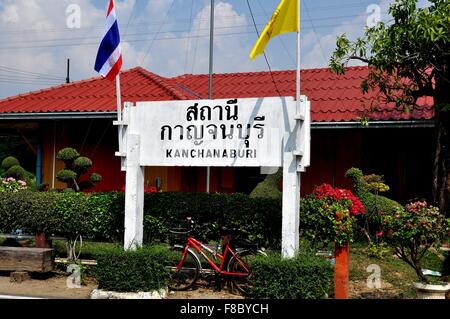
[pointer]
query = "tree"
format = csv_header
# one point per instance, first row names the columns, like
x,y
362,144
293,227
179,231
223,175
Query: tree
x,y
409,59
75,167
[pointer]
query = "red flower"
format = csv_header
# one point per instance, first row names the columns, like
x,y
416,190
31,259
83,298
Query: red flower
x,y
327,192
151,189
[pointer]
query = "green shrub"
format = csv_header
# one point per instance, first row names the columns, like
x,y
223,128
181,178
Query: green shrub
x,y
9,162
100,216
83,162
373,203
95,178
155,229
303,277
133,271
107,216
17,172
66,175
67,154
268,188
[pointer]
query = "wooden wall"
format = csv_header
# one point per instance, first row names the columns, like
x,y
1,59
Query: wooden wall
x,y
403,155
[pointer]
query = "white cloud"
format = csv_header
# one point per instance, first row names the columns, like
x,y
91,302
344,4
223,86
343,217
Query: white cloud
x,y
39,26
190,53
319,48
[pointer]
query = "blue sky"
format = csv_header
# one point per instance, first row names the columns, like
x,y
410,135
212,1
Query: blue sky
x,y
168,37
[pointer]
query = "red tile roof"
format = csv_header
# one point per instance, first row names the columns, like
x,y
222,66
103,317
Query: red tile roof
x,y
334,98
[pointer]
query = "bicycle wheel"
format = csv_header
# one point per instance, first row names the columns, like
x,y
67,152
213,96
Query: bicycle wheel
x,y
184,277
240,264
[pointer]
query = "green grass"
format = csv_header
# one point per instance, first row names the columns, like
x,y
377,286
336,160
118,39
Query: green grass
x,y
89,250
393,270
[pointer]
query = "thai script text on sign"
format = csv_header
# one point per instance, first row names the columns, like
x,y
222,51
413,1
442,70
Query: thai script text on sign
x,y
230,132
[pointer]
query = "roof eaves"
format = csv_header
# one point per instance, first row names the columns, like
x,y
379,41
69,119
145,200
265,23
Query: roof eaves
x,y
374,124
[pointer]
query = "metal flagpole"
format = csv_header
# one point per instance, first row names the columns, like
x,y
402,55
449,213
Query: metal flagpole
x,y
119,113
119,100
298,59
210,96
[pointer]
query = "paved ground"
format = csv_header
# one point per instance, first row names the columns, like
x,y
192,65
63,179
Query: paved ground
x,y
53,287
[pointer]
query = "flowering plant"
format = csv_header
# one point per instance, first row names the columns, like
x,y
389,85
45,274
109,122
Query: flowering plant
x,y
412,231
150,189
330,213
12,185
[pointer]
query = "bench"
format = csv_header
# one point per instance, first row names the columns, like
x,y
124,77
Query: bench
x,y
20,259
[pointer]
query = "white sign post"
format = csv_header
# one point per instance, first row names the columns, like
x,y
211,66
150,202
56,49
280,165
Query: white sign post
x,y
251,132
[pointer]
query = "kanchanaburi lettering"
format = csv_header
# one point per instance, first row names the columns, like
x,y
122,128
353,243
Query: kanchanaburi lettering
x,y
224,131
210,153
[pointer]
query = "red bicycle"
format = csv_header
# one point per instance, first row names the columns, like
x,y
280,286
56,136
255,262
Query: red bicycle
x,y
232,263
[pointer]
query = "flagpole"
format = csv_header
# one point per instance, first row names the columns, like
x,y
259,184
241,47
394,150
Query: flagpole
x,y
119,99
210,95
298,60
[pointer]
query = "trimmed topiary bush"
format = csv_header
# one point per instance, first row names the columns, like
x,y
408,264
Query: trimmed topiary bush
x,y
268,188
67,154
95,178
303,277
66,175
375,204
83,162
9,162
17,172
75,167
142,270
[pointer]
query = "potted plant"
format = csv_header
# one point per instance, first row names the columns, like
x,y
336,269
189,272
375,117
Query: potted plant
x,y
412,231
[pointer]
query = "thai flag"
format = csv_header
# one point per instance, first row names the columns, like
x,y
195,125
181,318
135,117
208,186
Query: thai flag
x,y
109,56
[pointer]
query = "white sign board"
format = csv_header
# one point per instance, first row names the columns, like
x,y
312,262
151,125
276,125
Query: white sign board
x,y
259,132
230,132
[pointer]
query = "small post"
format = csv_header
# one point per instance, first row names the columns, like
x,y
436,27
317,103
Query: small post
x,y
68,71
341,271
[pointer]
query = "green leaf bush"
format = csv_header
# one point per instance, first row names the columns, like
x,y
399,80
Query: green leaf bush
x,y
100,216
304,277
133,271
83,163
412,231
66,175
17,172
9,162
67,154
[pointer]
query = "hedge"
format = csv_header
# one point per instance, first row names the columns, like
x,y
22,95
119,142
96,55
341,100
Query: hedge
x,y
133,271
100,216
303,277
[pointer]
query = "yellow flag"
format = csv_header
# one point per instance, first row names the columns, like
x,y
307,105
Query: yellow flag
x,y
284,19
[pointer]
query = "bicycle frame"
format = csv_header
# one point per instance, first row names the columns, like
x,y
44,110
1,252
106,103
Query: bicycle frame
x,y
198,246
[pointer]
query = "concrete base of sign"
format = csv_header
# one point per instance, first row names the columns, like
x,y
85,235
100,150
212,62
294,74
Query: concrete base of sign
x,y
101,294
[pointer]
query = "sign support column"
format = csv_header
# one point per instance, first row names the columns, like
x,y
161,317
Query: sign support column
x,y
134,195
293,151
